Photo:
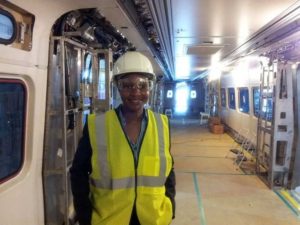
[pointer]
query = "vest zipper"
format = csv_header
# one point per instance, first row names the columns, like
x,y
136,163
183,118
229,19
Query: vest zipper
x,y
136,159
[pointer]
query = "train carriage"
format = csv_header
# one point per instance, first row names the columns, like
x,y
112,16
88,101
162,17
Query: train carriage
x,y
56,60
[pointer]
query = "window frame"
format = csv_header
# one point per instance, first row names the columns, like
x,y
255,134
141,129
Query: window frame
x,y
193,94
14,23
267,105
223,98
15,172
229,97
169,96
87,74
255,112
247,100
101,82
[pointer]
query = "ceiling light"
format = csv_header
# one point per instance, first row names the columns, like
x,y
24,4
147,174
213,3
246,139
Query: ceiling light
x,y
203,49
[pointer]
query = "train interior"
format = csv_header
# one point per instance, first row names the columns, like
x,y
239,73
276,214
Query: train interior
x,y
232,99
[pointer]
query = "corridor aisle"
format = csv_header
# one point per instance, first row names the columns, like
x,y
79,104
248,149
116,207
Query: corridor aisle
x,y
212,190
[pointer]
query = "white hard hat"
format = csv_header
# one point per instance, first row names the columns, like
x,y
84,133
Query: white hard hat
x,y
133,62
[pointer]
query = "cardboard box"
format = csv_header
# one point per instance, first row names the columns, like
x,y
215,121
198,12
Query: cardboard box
x,y
210,126
215,120
217,129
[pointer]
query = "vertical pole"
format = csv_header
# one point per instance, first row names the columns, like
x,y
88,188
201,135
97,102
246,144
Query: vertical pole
x,y
64,130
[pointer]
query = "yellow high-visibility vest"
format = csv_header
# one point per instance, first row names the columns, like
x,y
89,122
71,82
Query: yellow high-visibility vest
x,y
117,184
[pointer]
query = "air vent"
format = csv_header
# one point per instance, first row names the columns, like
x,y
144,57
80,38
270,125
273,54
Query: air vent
x,y
204,49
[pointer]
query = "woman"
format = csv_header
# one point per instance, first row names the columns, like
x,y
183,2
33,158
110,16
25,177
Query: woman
x,y
122,172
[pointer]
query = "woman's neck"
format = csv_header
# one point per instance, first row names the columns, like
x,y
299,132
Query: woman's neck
x,y
132,115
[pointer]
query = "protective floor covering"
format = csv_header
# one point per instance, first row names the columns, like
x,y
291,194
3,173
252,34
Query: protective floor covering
x,y
213,190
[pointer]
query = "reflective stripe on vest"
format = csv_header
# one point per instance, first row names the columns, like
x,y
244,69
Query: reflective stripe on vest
x,y
106,181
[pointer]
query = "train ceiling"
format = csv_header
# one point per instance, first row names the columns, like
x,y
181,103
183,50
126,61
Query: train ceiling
x,y
186,37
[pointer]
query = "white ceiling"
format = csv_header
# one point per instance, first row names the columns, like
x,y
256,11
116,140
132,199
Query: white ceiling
x,y
209,25
200,31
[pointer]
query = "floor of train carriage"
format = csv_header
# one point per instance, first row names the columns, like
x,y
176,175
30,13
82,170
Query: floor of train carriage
x,y
212,189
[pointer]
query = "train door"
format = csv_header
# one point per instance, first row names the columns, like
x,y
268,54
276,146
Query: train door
x,y
181,98
78,84
275,127
295,183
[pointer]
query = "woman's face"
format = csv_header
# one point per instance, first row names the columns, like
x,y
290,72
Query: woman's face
x,y
134,90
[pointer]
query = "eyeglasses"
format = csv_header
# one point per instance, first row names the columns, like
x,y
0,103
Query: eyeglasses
x,y
142,84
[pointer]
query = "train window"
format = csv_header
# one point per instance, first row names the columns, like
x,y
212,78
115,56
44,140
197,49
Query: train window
x,y
87,71
267,109
223,97
193,94
244,100
101,84
169,94
231,98
255,92
267,104
12,115
16,25
8,28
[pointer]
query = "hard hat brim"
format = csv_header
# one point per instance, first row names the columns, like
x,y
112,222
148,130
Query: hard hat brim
x,y
150,76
